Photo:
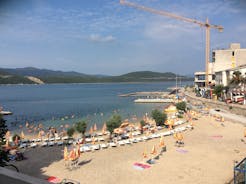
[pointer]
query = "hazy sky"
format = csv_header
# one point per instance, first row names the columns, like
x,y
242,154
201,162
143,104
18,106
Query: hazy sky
x,y
104,37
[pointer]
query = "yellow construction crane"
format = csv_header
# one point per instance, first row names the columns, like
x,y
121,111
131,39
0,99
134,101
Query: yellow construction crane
x,y
206,25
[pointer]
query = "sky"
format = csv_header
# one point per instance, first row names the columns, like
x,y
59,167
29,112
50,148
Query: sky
x,y
104,37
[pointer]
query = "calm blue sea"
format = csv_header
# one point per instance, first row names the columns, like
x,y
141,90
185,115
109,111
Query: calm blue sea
x,y
59,104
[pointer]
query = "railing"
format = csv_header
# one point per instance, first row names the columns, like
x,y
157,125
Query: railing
x,y
240,172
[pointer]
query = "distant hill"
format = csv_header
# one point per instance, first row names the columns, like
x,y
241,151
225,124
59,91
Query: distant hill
x,y
26,75
7,78
148,75
35,72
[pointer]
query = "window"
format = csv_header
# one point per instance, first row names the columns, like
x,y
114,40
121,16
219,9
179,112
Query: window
x,y
213,57
201,77
232,53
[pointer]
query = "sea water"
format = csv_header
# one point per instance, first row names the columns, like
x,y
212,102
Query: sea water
x,y
59,104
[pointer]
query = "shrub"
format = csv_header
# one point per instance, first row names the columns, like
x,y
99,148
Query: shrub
x,y
181,106
159,117
70,132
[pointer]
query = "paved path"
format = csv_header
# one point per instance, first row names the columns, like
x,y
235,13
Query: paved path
x,y
229,116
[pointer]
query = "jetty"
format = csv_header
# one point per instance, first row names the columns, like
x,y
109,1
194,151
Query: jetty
x,y
145,93
154,100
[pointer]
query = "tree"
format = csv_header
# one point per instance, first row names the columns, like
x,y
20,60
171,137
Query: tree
x,y
3,129
142,124
113,123
70,132
81,127
218,89
236,78
181,106
159,117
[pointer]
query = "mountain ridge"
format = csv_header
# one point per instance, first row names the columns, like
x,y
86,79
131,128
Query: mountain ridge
x,y
53,76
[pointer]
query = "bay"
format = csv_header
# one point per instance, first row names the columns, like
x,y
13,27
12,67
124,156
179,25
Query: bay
x,y
60,104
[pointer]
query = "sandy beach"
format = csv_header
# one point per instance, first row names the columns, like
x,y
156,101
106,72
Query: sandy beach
x,y
207,157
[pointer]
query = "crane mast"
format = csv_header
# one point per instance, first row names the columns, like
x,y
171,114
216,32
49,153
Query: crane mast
x,y
206,25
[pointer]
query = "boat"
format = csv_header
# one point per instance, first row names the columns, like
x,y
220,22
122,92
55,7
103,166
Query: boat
x,y
6,113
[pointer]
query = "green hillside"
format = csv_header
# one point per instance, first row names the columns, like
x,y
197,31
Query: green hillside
x,y
16,76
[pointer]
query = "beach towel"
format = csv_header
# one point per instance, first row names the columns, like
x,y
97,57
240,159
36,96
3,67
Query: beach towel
x,y
181,151
140,166
53,179
216,136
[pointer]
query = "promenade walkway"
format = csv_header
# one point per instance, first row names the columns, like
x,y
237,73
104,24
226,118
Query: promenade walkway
x,y
229,116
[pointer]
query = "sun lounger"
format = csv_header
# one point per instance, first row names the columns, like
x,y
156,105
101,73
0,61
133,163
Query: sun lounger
x,y
95,147
52,139
153,136
44,144
70,142
57,138
51,143
101,139
99,133
127,141
139,139
23,145
65,138
33,145
59,143
88,140
87,148
121,143
24,141
144,138
104,146
112,144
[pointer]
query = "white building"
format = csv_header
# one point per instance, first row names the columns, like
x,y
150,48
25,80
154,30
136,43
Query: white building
x,y
200,77
226,61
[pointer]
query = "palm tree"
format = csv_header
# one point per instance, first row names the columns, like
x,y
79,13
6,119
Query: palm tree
x,y
236,78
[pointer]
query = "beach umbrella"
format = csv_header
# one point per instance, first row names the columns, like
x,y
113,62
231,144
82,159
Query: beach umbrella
x,y
72,154
180,137
147,133
162,143
175,136
7,143
130,135
91,130
22,135
93,140
145,154
65,153
78,151
153,151
27,124
95,127
7,135
104,128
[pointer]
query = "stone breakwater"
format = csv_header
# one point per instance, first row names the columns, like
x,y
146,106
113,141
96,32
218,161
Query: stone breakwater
x,y
232,108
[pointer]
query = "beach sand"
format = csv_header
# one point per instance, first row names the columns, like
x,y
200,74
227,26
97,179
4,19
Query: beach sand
x,y
207,157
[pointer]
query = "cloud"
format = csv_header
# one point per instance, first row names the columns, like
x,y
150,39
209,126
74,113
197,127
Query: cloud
x,y
99,38
170,30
